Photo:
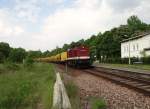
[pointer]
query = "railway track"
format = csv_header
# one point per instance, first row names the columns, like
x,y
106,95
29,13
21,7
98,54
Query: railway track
x,y
137,81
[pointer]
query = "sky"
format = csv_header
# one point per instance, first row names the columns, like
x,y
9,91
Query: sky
x,y
45,24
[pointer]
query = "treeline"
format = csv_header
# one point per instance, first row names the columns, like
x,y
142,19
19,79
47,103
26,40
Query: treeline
x,y
102,46
16,55
107,45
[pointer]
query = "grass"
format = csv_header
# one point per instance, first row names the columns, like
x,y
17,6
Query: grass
x,y
72,91
97,103
134,66
26,88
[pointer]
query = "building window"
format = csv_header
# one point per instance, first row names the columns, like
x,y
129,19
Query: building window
x,y
124,49
133,47
137,47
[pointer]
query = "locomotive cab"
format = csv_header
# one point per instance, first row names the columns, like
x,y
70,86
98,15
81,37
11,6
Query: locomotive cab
x,y
79,56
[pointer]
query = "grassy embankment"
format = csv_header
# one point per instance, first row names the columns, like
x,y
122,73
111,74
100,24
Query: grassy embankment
x,y
73,94
26,88
134,66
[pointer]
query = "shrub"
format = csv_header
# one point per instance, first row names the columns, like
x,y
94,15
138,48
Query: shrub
x,y
11,66
115,60
28,62
2,57
98,103
146,60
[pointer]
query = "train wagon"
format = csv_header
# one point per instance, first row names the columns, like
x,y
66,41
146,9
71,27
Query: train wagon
x,y
78,56
58,58
63,57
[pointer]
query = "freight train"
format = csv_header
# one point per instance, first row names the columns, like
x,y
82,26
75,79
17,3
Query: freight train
x,y
76,57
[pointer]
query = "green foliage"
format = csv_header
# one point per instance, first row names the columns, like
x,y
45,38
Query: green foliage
x,y
4,51
45,54
105,44
65,47
11,66
26,88
146,60
28,62
98,103
135,23
108,44
72,91
34,54
117,60
17,55
2,57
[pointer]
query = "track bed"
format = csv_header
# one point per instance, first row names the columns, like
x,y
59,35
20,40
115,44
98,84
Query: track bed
x,y
116,96
138,81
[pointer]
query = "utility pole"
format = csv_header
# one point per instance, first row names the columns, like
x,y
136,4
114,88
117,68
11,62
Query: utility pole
x,y
66,67
129,54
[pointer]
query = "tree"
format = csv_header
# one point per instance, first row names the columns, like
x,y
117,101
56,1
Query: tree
x,y
65,47
108,44
34,54
46,53
135,24
17,55
4,50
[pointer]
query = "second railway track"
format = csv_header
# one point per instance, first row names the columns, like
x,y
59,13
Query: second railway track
x,y
137,81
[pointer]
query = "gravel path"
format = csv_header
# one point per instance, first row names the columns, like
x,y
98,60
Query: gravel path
x,y
116,96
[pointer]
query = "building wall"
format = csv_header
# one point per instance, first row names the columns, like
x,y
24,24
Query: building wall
x,y
135,47
148,53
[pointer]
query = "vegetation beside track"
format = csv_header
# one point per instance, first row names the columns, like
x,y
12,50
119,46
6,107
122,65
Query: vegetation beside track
x,y
98,103
72,91
23,87
133,66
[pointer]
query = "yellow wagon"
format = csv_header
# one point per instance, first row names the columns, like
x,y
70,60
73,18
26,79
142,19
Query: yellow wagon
x,y
63,56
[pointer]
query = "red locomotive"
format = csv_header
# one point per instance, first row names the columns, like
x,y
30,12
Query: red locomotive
x,y
78,56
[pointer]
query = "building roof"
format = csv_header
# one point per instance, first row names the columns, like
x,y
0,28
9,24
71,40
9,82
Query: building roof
x,y
136,37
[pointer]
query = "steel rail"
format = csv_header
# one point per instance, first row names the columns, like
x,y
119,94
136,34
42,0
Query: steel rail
x,y
135,82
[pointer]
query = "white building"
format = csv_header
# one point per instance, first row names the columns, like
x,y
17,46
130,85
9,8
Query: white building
x,y
138,46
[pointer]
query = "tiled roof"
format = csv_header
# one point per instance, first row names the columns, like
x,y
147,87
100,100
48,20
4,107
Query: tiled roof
x,y
136,37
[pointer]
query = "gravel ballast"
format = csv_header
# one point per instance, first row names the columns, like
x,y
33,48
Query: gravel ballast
x,y
116,96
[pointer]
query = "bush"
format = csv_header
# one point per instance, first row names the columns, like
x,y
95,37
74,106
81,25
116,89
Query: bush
x,y
28,62
146,60
2,57
114,60
17,55
11,66
98,103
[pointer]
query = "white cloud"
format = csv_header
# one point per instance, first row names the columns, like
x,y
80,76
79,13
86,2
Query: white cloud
x,y
7,26
56,1
123,5
28,9
84,19
80,20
